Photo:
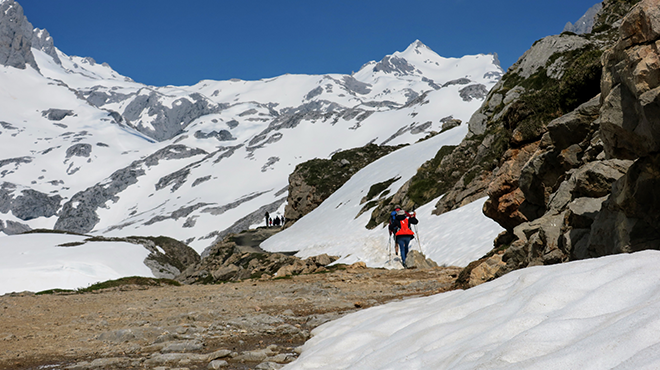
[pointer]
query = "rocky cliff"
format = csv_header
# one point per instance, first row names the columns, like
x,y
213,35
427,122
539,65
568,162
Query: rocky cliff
x,y
581,170
15,37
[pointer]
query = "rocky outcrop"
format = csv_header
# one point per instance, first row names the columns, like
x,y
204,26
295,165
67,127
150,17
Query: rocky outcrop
x,y
41,40
13,228
417,260
27,204
314,181
630,127
165,122
238,257
15,37
586,23
552,185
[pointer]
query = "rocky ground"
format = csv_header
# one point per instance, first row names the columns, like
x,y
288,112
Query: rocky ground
x,y
253,324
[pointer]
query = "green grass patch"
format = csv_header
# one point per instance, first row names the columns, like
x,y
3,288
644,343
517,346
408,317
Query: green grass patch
x,y
429,183
380,187
131,280
71,244
56,291
126,281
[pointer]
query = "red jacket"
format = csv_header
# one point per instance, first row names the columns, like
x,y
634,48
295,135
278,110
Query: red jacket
x,y
401,225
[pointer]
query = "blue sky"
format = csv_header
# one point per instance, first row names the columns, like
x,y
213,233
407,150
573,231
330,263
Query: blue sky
x,y
161,42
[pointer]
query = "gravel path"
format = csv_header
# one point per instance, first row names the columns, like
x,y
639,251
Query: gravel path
x,y
246,325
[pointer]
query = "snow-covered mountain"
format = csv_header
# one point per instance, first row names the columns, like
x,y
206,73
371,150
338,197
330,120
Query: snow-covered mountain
x,y
85,149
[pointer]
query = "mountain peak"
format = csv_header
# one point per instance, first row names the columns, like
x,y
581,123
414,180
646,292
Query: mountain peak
x,y
15,51
416,46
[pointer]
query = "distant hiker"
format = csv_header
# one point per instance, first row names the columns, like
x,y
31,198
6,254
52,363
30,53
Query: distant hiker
x,y
276,222
267,219
283,220
403,234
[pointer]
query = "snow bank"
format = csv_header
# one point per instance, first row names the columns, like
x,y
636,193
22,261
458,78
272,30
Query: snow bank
x,y
36,262
594,314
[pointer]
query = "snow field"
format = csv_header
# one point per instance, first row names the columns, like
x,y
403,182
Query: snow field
x,y
593,314
36,262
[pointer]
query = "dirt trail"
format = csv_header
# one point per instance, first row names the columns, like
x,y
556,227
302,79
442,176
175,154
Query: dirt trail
x,y
137,327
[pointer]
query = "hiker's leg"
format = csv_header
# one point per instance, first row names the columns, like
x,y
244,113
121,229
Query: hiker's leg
x,y
399,244
404,247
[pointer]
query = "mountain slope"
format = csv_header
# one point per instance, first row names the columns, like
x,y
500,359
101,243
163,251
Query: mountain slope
x,y
95,152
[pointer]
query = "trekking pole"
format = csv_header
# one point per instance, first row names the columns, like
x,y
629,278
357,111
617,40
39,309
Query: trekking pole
x,y
419,243
389,249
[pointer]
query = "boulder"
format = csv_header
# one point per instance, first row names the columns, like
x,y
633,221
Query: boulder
x,y
595,179
416,259
583,211
486,270
574,127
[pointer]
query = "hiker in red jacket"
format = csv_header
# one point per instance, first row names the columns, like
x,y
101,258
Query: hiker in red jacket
x,y
403,234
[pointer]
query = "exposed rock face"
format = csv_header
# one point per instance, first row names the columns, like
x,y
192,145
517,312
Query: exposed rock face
x,y
13,228
54,114
168,121
630,121
630,128
79,213
79,150
476,91
556,171
42,40
15,37
27,204
586,23
418,260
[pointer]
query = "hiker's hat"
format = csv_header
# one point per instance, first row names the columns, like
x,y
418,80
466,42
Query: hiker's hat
x,y
400,212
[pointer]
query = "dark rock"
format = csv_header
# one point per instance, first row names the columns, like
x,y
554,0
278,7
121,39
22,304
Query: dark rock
x,y
29,204
222,135
573,128
14,228
395,65
475,91
582,212
57,114
238,257
449,122
460,81
595,179
79,150
630,220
